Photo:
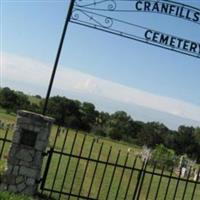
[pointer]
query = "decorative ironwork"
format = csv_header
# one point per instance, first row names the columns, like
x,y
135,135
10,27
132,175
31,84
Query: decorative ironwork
x,y
109,5
69,14
101,15
165,7
96,20
113,174
108,169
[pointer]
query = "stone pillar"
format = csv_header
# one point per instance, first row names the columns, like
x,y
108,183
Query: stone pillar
x,y
25,157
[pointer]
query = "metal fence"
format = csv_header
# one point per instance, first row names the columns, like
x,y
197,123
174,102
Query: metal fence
x,y
82,166
5,140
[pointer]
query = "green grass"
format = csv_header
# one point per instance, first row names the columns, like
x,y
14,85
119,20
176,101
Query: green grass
x,y
7,117
8,196
116,146
100,167
34,99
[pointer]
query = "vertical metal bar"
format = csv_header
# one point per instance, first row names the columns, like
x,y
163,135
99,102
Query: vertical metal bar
x,y
122,175
104,172
142,180
168,184
86,167
96,164
4,142
113,173
177,184
58,55
59,161
161,175
195,186
186,184
50,153
77,165
67,166
57,133
138,180
130,178
150,182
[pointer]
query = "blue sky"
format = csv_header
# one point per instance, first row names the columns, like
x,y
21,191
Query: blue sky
x,y
32,29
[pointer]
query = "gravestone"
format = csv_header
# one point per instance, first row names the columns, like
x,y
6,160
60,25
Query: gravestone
x,y
26,153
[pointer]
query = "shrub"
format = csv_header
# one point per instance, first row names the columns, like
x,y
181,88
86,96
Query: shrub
x,y
164,157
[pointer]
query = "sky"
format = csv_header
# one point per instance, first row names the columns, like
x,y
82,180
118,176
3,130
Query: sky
x,y
98,64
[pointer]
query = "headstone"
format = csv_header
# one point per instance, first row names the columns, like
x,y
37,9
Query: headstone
x,y
2,125
196,178
25,157
146,153
183,172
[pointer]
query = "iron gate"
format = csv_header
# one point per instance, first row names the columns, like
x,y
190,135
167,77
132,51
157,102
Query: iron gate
x,y
79,166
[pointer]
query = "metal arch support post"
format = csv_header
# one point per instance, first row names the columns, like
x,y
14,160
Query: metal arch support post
x,y
58,55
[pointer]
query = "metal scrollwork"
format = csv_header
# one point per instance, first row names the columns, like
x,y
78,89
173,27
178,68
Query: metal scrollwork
x,y
98,20
109,5
112,5
103,15
75,14
108,22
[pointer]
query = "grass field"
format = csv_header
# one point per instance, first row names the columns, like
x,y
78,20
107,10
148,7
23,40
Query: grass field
x,y
7,196
34,99
7,118
71,164
109,172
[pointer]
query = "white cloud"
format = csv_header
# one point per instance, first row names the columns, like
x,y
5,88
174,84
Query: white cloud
x,y
36,73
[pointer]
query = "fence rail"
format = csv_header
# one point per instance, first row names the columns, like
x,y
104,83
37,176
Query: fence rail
x,y
79,166
5,141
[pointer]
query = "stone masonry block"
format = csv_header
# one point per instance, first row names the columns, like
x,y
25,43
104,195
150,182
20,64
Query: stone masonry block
x,y
40,145
19,179
21,187
15,170
30,181
25,155
25,171
3,187
12,188
16,137
30,190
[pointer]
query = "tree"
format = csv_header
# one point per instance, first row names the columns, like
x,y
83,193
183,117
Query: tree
x,y
22,101
120,126
197,135
184,141
65,111
152,134
13,101
88,116
136,128
197,140
163,157
8,99
103,119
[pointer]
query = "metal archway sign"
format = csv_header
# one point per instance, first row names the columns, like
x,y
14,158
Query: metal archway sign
x,y
103,15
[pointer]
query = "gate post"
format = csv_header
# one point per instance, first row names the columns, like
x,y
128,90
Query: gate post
x,y
25,157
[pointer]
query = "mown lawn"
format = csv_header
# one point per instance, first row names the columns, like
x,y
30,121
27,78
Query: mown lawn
x,y
70,164
8,196
34,99
7,117
57,176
